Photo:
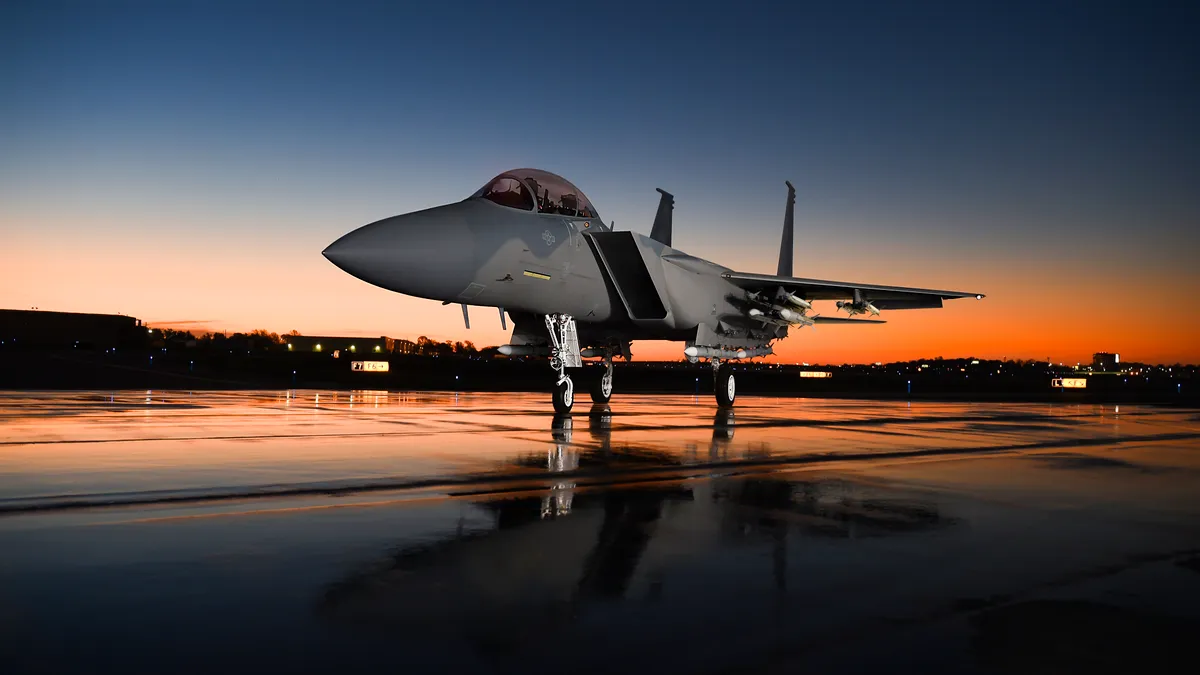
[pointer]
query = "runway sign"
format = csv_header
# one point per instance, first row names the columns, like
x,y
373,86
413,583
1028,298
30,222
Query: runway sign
x,y
369,366
816,373
1069,382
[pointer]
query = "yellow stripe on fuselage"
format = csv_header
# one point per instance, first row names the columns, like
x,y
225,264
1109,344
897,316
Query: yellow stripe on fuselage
x,y
537,275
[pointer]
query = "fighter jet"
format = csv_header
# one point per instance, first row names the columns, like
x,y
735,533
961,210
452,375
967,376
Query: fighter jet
x,y
533,245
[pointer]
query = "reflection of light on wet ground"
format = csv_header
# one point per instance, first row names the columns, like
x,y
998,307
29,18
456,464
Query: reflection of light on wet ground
x,y
157,442
477,532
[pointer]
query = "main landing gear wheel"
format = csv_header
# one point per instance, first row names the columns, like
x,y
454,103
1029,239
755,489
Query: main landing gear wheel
x,y
602,386
725,386
564,396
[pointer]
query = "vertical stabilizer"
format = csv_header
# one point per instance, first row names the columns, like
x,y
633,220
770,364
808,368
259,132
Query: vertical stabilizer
x,y
661,232
785,246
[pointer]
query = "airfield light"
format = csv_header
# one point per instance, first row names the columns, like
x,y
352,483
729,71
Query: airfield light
x,y
318,346
289,346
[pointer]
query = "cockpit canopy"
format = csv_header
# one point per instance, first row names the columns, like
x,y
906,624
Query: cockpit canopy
x,y
531,189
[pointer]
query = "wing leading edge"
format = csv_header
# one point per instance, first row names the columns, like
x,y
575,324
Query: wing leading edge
x,y
883,297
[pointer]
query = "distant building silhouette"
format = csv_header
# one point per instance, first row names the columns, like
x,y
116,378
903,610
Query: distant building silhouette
x,y
345,346
38,329
1105,362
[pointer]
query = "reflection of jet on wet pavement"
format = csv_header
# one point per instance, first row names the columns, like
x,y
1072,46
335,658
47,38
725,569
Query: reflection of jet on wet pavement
x,y
541,559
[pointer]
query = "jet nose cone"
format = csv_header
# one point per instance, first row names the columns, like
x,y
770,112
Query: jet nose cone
x,y
331,253
429,254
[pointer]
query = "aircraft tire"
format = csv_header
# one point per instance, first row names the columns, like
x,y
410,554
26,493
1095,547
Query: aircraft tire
x,y
601,390
725,386
564,396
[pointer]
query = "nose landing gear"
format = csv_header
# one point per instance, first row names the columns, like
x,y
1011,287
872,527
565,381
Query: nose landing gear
x,y
564,353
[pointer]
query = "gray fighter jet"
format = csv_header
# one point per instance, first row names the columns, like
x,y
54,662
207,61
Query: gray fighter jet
x,y
530,243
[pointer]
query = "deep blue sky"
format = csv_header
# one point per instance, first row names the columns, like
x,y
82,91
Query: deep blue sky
x,y
1022,134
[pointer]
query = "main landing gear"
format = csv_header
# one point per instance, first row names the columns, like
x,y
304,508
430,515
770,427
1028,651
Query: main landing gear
x,y
602,387
724,384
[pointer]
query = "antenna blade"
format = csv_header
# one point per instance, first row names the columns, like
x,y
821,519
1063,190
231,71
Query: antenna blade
x,y
466,317
503,323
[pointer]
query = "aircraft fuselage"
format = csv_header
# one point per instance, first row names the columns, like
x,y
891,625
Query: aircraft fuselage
x,y
476,252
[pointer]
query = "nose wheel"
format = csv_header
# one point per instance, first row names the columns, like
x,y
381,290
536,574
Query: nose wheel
x,y
564,395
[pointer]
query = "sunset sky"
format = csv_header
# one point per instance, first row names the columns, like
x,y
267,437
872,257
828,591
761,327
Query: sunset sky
x,y
186,163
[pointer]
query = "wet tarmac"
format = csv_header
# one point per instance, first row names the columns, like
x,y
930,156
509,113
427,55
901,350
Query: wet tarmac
x,y
316,531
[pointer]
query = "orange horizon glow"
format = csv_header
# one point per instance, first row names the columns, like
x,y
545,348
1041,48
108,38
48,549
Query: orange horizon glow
x,y
208,290
256,273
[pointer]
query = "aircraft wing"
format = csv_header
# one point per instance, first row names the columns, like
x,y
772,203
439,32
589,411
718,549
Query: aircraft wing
x,y
883,297
837,319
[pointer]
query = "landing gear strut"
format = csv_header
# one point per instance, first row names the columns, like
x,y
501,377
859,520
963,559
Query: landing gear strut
x,y
724,384
564,353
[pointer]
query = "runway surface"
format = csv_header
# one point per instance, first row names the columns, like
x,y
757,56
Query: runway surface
x,y
307,531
